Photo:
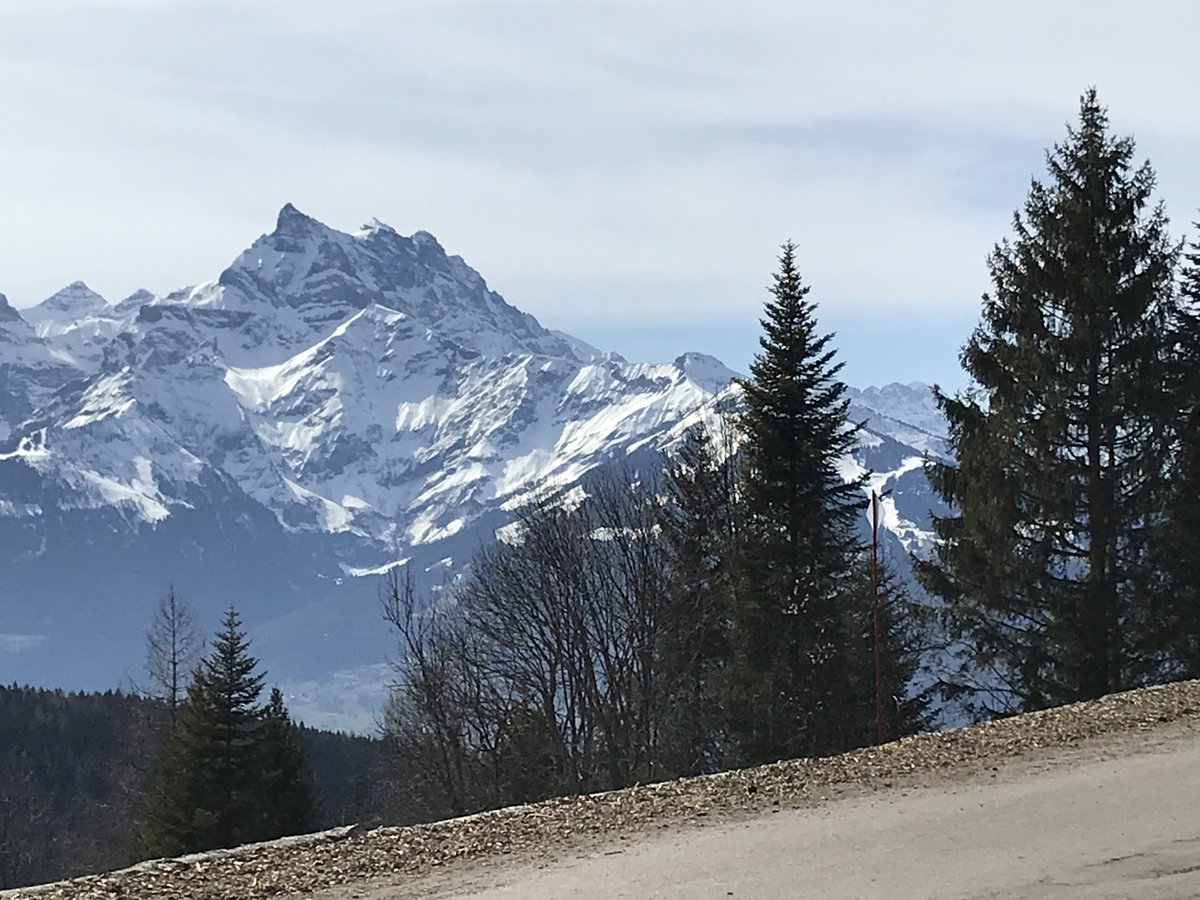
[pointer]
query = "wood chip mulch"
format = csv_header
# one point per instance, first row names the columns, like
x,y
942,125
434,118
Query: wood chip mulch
x,y
295,867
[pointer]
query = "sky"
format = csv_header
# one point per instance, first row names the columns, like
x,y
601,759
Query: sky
x,y
625,171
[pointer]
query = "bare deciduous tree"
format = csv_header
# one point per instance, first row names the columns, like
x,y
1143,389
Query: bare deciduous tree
x,y
539,673
437,721
172,647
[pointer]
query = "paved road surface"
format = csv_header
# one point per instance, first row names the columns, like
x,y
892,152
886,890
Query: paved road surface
x,y
1081,827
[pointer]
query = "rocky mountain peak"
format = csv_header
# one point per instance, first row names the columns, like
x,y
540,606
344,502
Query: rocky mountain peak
x,y
291,221
7,313
73,303
373,225
135,301
706,371
912,403
310,276
425,239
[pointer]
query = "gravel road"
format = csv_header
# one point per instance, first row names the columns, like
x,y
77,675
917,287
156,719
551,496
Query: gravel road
x,y
655,839
1125,823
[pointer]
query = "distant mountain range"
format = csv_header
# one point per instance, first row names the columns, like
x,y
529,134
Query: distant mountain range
x,y
330,406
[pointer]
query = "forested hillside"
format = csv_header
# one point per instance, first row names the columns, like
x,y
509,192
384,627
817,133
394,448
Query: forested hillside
x,y
75,768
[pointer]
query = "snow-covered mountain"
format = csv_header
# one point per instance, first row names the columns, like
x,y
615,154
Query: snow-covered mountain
x,y
902,426
31,369
333,404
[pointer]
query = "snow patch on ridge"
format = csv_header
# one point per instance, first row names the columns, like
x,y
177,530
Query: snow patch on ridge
x,y
139,493
108,396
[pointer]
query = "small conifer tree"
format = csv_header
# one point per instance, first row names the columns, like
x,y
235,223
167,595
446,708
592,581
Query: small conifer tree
x,y
289,796
694,641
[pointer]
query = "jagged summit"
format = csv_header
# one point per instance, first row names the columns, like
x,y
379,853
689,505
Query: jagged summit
x,y
77,292
291,221
911,404
135,301
7,313
373,225
75,301
304,277
707,371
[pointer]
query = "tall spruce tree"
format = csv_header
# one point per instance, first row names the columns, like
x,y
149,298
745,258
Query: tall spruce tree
x,y
206,789
1064,439
795,631
231,772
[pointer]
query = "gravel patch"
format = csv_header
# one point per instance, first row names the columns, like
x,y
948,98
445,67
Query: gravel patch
x,y
295,867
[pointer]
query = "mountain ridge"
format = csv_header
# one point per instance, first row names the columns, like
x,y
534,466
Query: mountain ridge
x,y
331,404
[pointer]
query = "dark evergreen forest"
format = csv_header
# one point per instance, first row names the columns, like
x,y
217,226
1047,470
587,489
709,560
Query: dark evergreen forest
x,y
75,769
